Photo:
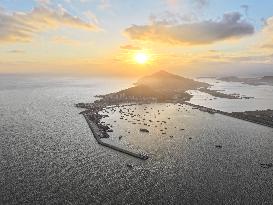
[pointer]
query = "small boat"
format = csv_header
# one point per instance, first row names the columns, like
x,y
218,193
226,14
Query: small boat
x,y
143,130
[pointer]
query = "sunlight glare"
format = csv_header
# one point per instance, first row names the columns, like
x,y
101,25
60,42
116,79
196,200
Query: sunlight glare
x,y
141,58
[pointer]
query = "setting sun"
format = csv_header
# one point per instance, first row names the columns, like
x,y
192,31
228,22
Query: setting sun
x,y
141,58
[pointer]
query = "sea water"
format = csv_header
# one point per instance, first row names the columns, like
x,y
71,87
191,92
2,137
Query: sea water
x,y
48,154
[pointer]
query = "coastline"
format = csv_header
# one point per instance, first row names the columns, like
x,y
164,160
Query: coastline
x,y
99,132
239,115
92,117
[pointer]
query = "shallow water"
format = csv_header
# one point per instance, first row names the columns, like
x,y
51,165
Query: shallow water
x,y
48,154
263,96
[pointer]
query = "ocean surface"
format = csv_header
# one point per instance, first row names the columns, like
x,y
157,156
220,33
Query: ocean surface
x,y
49,156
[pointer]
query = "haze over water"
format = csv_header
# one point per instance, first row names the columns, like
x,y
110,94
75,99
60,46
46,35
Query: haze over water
x,y
48,153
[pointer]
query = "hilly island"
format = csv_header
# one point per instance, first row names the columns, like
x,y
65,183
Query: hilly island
x,y
160,87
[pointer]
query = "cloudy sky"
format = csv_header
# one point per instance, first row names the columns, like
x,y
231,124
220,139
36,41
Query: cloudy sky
x,y
103,37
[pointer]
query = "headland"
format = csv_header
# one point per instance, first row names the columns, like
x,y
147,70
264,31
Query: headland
x,y
160,87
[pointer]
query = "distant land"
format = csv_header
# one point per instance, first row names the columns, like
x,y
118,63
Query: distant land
x,y
265,80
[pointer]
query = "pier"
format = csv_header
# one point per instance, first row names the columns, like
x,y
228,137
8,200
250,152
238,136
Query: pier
x,y
98,135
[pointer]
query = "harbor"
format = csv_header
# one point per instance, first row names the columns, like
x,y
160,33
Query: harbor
x,y
98,134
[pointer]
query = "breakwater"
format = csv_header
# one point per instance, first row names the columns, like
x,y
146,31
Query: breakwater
x,y
98,135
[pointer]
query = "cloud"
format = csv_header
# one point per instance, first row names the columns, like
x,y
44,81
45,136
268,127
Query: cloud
x,y
196,4
20,26
268,45
172,2
266,35
245,8
201,3
169,18
262,59
230,26
64,40
16,51
43,2
92,17
104,4
130,47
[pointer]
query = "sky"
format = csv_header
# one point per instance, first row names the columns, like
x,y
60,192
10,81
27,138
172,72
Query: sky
x,y
103,37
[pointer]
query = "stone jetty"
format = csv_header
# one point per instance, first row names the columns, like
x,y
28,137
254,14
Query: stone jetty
x,y
98,134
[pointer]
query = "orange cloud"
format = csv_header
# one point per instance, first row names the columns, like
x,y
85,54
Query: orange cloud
x,y
231,26
130,47
19,26
267,34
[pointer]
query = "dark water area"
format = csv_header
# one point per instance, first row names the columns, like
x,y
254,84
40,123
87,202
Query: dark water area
x,y
49,156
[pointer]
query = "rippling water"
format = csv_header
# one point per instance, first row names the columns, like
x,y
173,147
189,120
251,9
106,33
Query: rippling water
x,y
48,154
263,96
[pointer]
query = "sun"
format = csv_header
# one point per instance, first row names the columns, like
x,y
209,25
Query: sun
x,y
141,58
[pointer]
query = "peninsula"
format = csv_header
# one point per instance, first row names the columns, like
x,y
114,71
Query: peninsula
x,y
265,80
160,87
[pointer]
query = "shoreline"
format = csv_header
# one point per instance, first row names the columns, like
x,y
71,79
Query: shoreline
x,y
237,115
92,117
98,134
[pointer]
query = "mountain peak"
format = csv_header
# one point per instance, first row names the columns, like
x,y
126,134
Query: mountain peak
x,y
163,80
163,73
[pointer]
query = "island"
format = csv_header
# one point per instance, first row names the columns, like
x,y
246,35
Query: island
x,y
160,87
218,94
265,80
